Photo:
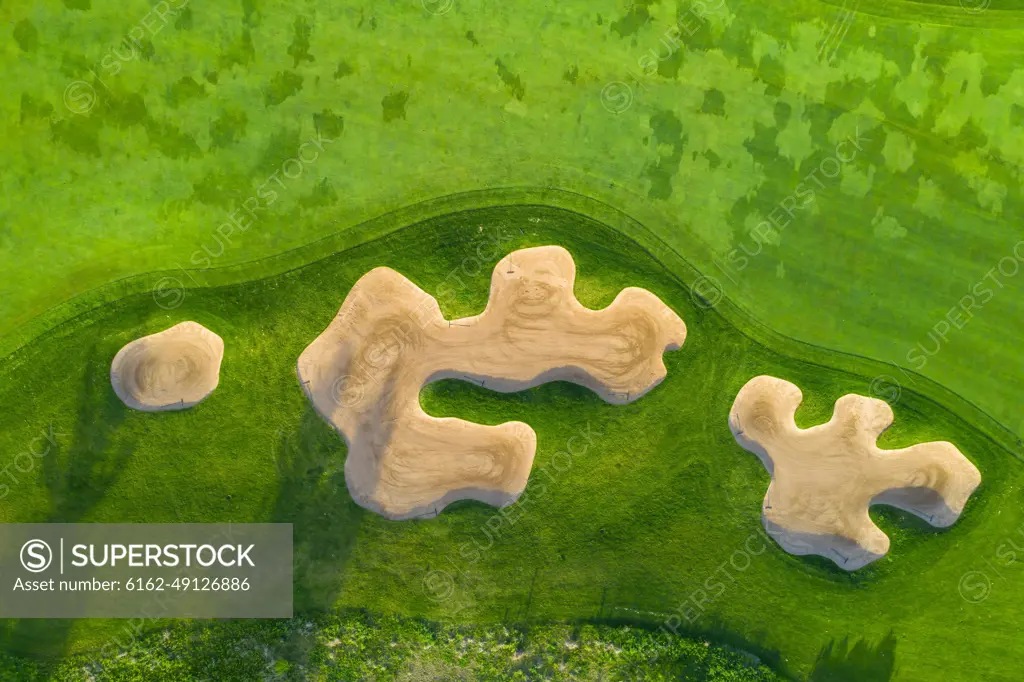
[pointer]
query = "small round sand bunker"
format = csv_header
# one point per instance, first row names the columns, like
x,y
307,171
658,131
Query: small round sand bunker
x,y
170,370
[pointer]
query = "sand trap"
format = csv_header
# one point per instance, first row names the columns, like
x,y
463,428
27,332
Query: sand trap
x,y
365,372
825,477
170,370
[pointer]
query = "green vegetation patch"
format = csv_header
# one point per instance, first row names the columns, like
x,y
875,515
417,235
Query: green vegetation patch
x,y
356,646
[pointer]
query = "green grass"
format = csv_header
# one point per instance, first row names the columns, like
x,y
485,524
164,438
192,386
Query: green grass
x,y
421,105
648,515
355,646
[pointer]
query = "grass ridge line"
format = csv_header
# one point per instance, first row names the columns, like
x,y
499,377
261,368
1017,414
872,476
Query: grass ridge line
x,y
410,216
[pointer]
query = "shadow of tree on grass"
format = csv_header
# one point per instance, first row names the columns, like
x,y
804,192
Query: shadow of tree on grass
x,y
78,473
95,459
313,496
858,662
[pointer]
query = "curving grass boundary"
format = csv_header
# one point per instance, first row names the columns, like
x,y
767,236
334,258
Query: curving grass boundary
x,y
637,531
169,286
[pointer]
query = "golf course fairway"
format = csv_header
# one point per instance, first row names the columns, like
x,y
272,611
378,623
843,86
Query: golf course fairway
x,y
653,519
212,211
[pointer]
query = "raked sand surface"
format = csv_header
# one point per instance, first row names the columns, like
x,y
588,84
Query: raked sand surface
x,y
171,370
824,478
364,374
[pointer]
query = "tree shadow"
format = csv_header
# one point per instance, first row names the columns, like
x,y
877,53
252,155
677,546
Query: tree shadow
x,y
313,496
79,480
78,470
859,662
753,647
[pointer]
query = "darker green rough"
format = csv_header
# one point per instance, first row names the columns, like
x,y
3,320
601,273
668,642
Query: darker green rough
x,y
241,53
771,72
74,65
694,27
184,20
669,65
228,128
299,49
184,90
283,145
78,133
344,69
634,19
328,124
282,86
782,113
513,82
170,141
394,105
714,102
125,110
221,189
26,35
30,108
250,14
145,48
846,661
1017,116
322,195
668,130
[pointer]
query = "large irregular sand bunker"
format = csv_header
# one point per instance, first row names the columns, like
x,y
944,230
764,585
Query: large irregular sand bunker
x,y
365,372
824,478
170,370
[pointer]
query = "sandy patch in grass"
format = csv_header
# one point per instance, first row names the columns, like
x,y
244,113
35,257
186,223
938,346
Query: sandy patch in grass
x,y
365,372
824,478
171,370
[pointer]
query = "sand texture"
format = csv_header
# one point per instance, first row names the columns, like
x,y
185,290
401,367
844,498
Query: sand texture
x,y
364,374
171,370
824,478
